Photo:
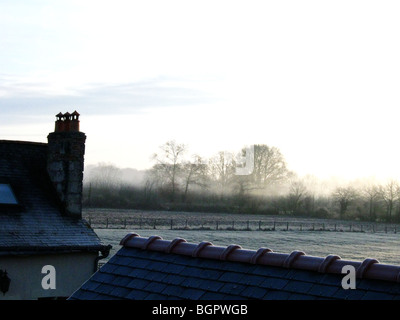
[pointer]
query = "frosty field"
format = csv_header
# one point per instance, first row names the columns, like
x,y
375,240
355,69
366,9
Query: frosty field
x,y
385,247
350,240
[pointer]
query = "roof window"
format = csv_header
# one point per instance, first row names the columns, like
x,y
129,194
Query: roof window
x,y
7,195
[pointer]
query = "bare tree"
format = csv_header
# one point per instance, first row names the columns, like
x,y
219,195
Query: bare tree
x,y
371,194
221,170
270,167
297,193
193,173
389,194
168,165
344,196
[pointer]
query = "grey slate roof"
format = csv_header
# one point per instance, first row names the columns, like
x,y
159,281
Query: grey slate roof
x,y
139,273
37,224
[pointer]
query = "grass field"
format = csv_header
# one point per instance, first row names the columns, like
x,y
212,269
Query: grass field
x,y
349,246
139,219
383,246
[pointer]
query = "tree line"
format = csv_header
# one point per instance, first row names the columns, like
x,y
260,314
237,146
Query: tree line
x,y
179,181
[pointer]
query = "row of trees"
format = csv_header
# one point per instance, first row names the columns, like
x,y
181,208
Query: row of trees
x,y
173,173
370,201
220,183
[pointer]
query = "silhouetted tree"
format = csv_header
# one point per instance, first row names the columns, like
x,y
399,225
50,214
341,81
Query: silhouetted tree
x,y
270,167
221,170
370,194
389,194
344,196
193,173
169,164
297,194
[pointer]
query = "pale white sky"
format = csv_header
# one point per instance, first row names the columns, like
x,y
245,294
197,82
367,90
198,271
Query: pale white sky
x,y
318,79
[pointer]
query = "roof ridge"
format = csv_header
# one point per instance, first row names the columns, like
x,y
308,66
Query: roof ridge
x,y
367,269
23,142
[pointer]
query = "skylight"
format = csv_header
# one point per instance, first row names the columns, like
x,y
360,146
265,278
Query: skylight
x,y
7,195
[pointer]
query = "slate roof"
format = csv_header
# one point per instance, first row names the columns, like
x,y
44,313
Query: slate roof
x,y
37,223
156,269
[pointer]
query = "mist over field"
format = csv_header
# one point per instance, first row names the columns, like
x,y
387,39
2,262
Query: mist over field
x,y
253,180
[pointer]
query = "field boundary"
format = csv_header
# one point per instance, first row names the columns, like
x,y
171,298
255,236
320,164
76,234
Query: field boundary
x,y
115,222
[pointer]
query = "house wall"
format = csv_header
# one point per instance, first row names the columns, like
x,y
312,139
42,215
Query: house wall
x,y
25,272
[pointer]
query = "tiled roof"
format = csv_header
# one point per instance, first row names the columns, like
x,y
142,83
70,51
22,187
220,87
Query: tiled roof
x,y
37,224
156,269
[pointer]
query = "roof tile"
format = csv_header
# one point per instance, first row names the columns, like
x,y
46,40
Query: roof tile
x,y
191,272
122,270
212,296
349,294
155,296
276,295
138,273
104,288
304,275
274,283
192,294
105,277
174,279
210,285
155,287
381,286
90,285
155,276
233,297
173,290
174,268
192,282
254,292
140,263
322,290
120,292
238,267
232,288
210,274
137,295
331,279
231,277
251,280
157,266
299,296
138,283
298,286
121,281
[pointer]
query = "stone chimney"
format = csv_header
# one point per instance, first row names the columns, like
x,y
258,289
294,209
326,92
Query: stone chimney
x,y
65,161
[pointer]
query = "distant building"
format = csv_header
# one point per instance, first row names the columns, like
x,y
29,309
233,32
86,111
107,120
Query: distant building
x,y
46,249
156,269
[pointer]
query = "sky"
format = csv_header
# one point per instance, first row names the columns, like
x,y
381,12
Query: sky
x,y
317,79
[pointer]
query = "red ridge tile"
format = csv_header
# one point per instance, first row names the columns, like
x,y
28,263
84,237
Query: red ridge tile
x,y
369,268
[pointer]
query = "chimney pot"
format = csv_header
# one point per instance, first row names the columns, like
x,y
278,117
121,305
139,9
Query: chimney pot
x,y
65,161
59,126
74,126
67,121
